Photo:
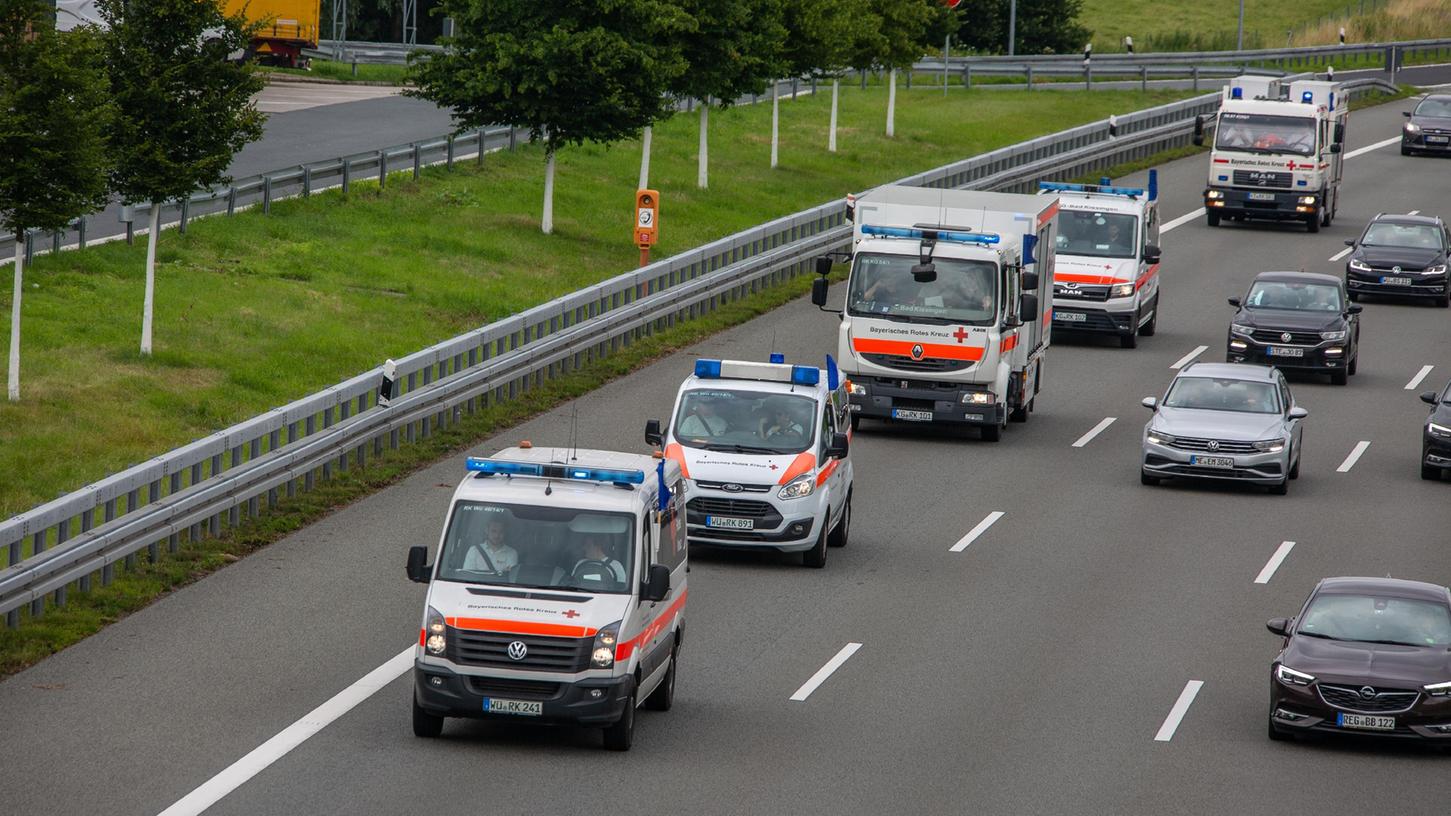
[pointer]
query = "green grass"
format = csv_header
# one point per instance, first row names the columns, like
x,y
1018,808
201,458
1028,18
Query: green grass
x,y
343,72
1199,25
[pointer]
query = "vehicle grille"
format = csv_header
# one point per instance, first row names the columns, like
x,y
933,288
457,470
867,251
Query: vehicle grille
x,y
1262,178
892,383
555,654
745,488
517,689
924,364
1404,270
1271,336
1386,701
744,508
1221,445
1084,293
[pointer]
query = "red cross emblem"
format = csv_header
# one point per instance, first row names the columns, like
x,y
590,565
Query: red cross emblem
x,y
960,334
772,467
571,614
1290,165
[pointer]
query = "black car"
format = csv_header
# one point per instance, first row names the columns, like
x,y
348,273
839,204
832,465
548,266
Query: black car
x,y
1429,128
1296,321
1436,435
1401,255
1368,656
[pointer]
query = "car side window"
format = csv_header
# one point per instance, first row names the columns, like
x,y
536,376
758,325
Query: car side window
x,y
1285,402
828,429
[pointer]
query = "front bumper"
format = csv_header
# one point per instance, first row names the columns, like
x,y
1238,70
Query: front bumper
x,y
889,397
1270,204
1300,709
1422,141
788,525
1322,358
1252,468
442,691
1372,283
1435,451
1077,316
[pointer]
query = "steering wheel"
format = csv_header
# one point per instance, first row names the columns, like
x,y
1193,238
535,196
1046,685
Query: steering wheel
x,y
598,571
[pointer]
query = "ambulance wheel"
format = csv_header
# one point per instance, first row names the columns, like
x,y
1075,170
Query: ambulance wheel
x,y
1313,223
1019,414
1326,216
1354,297
992,433
1148,329
664,694
1130,340
856,422
816,556
1212,218
843,526
621,735
425,725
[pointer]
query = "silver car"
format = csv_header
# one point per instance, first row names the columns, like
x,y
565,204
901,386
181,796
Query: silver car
x,y
1225,421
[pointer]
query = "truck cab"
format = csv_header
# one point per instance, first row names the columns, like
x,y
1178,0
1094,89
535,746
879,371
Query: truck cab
x,y
557,594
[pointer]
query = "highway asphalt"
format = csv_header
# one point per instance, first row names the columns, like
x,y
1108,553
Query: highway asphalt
x,y
1033,671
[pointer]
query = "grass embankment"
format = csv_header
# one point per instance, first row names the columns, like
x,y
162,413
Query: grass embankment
x,y
1199,25
344,72
1390,20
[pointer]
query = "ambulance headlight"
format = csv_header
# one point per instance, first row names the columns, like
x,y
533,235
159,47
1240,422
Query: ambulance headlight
x,y
1121,290
1307,199
799,487
978,398
435,633
1214,194
603,654
856,389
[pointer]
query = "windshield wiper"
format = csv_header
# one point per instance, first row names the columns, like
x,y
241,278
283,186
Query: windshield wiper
x,y
1320,635
1387,642
741,449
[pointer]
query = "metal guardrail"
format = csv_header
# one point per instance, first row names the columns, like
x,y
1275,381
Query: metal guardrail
x,y
228,476
1300,56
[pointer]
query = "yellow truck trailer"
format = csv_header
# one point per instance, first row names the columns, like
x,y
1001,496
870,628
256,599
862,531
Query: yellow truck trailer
x,y
287,27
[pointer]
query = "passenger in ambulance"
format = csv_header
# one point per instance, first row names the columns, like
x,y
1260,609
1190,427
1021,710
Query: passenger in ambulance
x,y
703,421
491,554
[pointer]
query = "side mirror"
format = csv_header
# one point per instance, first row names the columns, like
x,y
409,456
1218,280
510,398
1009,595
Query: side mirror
x,y
1406,114
1199,131
1152,403
1152,254
1350,242
1335,147
818,291
1030,281
1339,133
1027,307
418,569
1298,413
1234,302
653,436
1278,626
1354,308
838,447
823,265
1428,397
657,584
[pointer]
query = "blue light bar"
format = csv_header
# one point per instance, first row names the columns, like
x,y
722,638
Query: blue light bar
x,y
606,475
501,467
708,368
805,375
778,357
985,238
494,466
1308,97
1065,187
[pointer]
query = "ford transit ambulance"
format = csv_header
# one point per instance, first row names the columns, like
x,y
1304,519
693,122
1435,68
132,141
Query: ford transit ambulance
x,y
557,594
1106,275
765,454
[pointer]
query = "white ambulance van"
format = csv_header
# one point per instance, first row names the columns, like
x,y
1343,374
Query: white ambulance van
x,y
557,595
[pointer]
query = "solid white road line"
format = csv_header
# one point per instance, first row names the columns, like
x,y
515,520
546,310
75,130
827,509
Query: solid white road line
x,y
1342,253
1353,457
1420,375
1181,707
977,531
825,671
1377,146
1097,429
290,737
1274,562
1188,358
1181,220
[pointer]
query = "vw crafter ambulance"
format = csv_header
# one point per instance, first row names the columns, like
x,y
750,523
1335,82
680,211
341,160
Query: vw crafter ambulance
x,y
558,593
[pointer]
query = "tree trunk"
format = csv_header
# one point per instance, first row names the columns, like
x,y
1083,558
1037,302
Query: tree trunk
x,y
702,173
547,224
14,370
892,103
775,119
150,278
835,89
645,159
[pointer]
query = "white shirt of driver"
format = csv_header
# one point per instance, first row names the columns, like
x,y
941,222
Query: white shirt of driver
x,y
503,556
616,568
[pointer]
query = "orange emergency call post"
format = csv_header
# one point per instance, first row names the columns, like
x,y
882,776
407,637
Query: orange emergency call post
x,y
647,222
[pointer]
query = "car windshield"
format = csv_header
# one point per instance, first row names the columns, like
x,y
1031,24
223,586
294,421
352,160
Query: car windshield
x,y
963,291
1374,619
1435,106
744,421
1222,394
1295,296
1419,236
1096,234
1259,133
538,546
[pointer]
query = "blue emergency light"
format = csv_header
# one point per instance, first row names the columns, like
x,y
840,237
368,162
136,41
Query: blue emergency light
x,y
984,238
1308,97
805,375
501,467
777,357
1065,187
709,369
1236,93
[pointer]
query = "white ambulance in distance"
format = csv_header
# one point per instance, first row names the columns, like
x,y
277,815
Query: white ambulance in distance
x,y
558,594
1106,277
764,449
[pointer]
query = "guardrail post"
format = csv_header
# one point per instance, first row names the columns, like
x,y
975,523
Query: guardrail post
x,y
1196,79
81,232
479,158
29,248
1030,77
306,181
266,195
1088,77
310,426
347,175
967,77
382,169
231,201
417,160
37,546
1144,78
448,162
55,241
513,138
185,214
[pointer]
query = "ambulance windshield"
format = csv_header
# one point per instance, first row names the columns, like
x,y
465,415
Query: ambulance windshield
x,y
745,421
1096,234
963,292
542,547
1259,133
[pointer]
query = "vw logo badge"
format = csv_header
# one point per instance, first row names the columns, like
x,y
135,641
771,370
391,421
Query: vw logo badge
x,y
1395,269
1367,693
1287,337
732,487
518,651
917,351
1214,444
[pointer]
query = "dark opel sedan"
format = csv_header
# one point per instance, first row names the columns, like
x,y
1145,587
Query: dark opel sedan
x,y
1296,321
1369,656
1436,434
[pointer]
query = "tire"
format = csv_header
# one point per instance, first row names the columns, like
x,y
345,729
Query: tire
x,y
839,535
1295,468
1275,734
1146,479
1212,218
1339,378
1148,329
1282,488
621,735
1405,151
1354,297
425,725
856,422
1430,473
1327,214
1444,300
815,557
663,697
992,433
1019,414
1313,223
1354,364
1130,340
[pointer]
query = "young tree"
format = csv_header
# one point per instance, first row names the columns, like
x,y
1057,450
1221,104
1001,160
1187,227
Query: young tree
x,y
182,109
734,49
902,40
53,106
1043,27
820,36
570,71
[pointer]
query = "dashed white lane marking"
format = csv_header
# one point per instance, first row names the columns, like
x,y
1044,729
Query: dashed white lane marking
x,y
1188,358
1342,253
1176,714
1353,457
1274,563
1414,212
1097,429
1377,146
977,531
1181,220
290,737
1420,375
825,671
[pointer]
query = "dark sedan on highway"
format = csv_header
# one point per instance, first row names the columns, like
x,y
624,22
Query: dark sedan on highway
x,y
1429,127
1436,435
1369,656
1403,255
1296,321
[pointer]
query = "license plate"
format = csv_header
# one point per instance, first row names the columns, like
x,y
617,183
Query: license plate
x,y
728,523
1362,721
523,708
911,416
1261,196
1071,317
1282,351
1438,139
1212,461
1396,281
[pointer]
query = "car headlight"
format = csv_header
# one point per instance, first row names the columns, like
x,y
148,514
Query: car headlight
x,y
1307,199
799,487
602,656
1332,335
856,389
1290,677
1413,128
1270,445
1240,328
1359,265
435,632
1121,290
1438,430
1212,194
1438,689
1439,269
978,398
1160,438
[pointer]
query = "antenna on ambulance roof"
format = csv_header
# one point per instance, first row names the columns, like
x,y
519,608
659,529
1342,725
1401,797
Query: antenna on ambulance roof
x,y
574,432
